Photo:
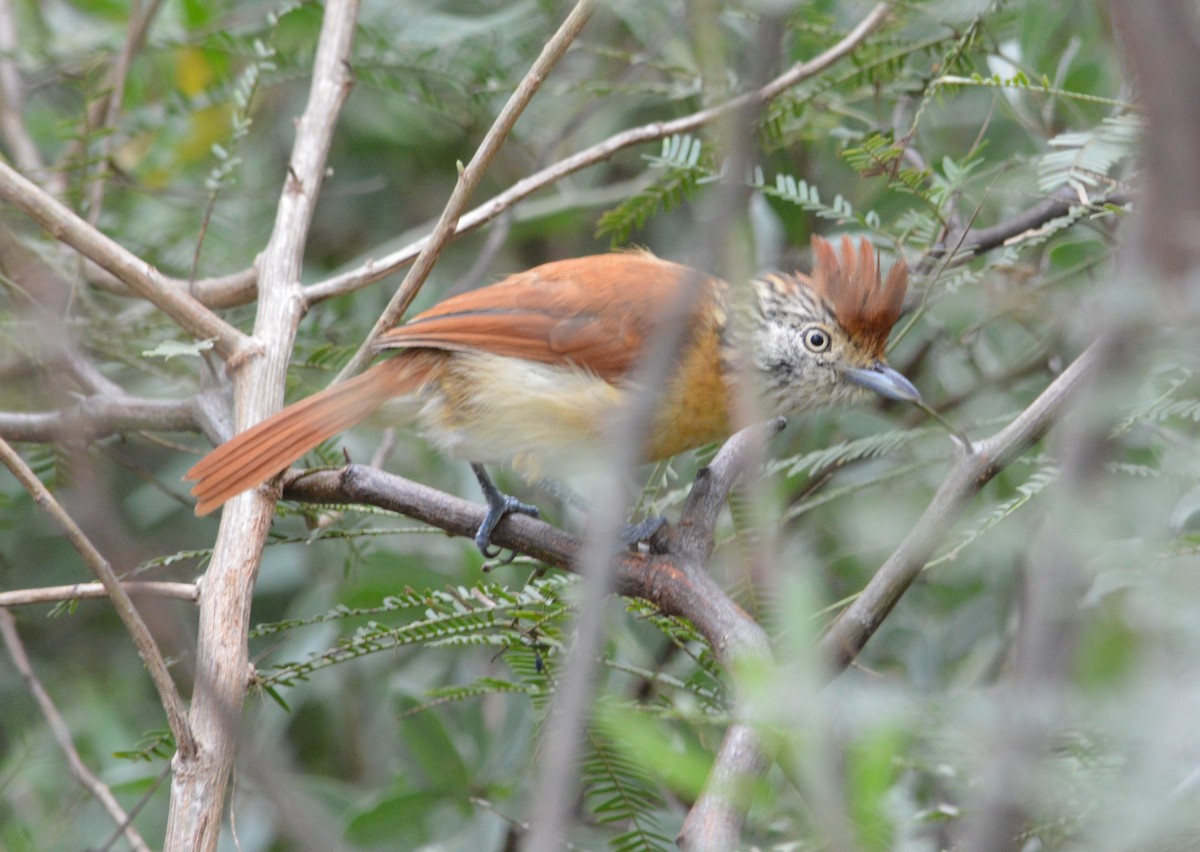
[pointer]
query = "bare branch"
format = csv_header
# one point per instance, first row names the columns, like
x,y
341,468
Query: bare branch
x,y
12,99
91,591
219,291
1059,204
109,106
62,734
677,582
147,647
222,659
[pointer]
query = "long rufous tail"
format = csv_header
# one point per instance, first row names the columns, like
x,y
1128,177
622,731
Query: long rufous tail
x,y
269,447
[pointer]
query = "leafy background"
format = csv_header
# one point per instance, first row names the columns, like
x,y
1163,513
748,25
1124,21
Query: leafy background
x,y
400,690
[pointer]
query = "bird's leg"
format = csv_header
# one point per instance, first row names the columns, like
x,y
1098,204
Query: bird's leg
x,y
499,505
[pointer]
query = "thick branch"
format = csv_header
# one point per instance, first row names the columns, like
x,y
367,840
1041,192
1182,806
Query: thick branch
x,y
199,784
677,582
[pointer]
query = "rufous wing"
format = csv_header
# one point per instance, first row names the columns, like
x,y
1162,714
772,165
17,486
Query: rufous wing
x,y
593,312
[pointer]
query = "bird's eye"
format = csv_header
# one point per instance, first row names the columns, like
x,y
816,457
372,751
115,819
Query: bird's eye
x,y
816,339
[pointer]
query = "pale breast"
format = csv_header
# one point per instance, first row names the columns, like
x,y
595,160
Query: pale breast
x,y
539,417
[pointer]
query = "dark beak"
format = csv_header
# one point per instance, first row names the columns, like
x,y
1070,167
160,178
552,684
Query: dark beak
x,y
883,380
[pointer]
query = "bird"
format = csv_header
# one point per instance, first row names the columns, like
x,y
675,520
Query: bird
x,y
529,370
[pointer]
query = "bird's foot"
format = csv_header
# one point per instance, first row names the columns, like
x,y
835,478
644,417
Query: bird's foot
x,y
642,531
499,505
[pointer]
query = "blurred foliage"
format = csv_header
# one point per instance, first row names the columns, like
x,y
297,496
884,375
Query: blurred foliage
x,y
402,691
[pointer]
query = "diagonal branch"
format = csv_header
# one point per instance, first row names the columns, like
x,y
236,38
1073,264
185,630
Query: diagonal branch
x,y
12,98
156,665
967,476
62,734
140,276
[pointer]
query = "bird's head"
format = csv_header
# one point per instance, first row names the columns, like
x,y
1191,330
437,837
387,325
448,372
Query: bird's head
x,y
819,339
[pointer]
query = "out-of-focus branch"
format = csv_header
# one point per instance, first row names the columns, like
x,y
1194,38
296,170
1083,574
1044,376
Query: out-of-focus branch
x,y
25,152
139,275
1158,256
62,734
219,291
374,270
468,180
156,665
1060,203
108,108
98,417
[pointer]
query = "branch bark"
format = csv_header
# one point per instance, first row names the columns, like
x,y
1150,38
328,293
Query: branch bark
x,y
98,417
968,473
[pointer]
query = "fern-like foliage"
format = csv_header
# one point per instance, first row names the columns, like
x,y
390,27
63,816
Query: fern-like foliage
x,y
1085,158
617,791
486,614
800,192
845,452
683,163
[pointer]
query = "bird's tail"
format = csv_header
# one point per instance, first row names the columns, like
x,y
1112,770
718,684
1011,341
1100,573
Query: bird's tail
x,y
267,448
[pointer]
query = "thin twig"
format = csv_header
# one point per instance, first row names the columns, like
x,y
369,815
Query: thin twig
x,y
91,591
156,665
114,99
62,734
468,180
98,417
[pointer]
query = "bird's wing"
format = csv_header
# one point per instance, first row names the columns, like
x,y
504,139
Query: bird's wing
x,y
596,313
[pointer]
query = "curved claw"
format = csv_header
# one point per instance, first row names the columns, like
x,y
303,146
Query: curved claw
x,y
499,505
